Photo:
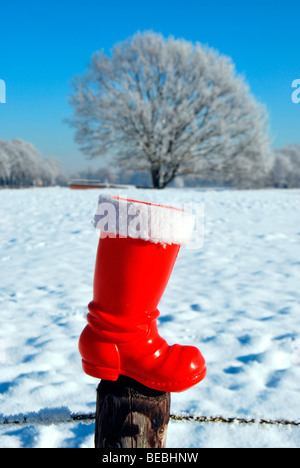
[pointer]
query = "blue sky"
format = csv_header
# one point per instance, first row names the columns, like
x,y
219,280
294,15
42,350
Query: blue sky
x,y
43,44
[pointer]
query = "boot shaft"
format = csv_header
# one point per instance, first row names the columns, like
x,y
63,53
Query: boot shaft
x,y
131,275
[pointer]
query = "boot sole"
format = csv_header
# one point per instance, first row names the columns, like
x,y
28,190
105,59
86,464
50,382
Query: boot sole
x,y
104,373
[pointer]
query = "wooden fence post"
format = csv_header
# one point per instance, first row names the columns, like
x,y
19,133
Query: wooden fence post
x,y
130,415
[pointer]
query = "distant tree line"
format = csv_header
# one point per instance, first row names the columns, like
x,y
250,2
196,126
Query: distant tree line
x,y
21,165
280,169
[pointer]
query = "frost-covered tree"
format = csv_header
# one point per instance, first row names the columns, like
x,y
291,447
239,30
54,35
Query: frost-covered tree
x,y
286,167
167,106
24,162
21,165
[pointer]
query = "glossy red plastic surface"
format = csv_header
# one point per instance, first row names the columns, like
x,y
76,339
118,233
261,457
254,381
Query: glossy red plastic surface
x,y
121,337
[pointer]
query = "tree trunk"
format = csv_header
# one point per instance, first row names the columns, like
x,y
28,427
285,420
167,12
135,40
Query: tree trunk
x,y
155,173
161,182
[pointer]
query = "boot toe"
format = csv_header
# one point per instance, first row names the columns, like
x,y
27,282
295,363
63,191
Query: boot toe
x,y
189,367
176,370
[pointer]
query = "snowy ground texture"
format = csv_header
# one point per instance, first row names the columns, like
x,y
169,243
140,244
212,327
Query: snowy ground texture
x,y
237,299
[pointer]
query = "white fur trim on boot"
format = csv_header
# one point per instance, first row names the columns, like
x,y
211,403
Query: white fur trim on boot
x,y
142,220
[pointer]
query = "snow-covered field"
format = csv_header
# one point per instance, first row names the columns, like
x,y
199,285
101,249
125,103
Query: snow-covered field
x,y
237,298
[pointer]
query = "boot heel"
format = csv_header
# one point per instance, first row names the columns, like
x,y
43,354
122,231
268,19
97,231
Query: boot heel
x,y
99,359
102,373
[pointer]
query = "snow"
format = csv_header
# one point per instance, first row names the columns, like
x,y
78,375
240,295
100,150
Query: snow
x,y
147,221
236,298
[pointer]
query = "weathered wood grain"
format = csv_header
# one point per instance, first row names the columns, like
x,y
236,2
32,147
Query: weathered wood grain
x,y
130,415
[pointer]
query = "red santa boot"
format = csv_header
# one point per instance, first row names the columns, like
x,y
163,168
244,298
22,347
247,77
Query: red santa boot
x,y
137,250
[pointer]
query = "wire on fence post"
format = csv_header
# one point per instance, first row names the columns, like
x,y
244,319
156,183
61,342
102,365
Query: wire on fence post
x,y
40,418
